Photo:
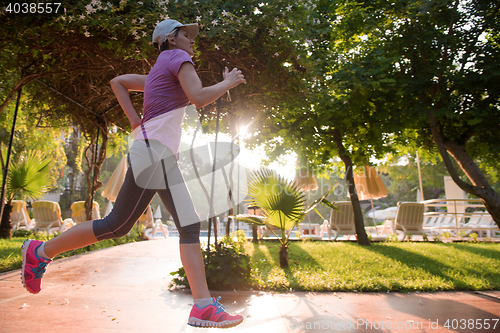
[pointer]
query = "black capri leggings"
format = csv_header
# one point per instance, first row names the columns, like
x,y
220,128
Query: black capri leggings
x,y
133,200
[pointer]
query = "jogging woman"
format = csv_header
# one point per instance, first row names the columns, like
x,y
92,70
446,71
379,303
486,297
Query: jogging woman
x,y
170,86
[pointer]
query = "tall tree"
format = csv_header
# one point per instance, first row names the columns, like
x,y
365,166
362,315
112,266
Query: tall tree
x,y
432,68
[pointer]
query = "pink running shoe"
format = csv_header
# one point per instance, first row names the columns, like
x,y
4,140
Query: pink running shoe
x,y
213,315
33,266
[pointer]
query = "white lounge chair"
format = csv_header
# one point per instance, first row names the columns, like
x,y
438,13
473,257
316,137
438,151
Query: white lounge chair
x,y
430,221
485,225
324,228
473,222
435,225
342,220
313,233
410,219
492,227
152,226
19,216
78,212
47,216
265,231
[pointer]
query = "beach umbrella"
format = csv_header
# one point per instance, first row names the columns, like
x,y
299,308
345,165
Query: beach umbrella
x,y
114,184
420,197
157,214
109,208
370,186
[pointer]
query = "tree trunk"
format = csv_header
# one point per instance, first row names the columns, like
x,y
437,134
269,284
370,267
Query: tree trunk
x,y
94,174
216,232
6,225
228,224
255,238
283,254
480,186
356,207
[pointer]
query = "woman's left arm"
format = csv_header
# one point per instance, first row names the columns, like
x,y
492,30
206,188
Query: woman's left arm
x,y
200,96
121,86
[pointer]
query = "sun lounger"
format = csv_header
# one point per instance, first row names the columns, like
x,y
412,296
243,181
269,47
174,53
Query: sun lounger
x,y
19,216
342,220
78,211
152,226
47,216
410,219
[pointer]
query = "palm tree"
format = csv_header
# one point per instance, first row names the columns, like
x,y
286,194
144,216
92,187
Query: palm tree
x,y
282,203
27,178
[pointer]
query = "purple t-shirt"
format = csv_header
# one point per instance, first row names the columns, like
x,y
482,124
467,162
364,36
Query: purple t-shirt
x,y
162,89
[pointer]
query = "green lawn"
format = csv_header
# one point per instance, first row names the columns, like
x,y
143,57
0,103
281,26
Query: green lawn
x,y
10,251
346,266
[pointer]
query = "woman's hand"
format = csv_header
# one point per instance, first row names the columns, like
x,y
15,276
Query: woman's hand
x,y
235,77
200,96
121,85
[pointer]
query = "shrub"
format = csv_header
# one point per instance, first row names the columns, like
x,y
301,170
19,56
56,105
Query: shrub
x,y
446,234
22,233
227,269
392,238
32,235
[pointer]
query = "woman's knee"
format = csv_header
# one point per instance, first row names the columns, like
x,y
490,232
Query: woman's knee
x,y
109,227
190,234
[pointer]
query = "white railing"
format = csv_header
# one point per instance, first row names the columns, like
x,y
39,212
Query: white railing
x,y
459,214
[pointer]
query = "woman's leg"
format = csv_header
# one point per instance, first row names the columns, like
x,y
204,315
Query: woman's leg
x,y
186,219
190,249
206,311
192,262
130,204
76,237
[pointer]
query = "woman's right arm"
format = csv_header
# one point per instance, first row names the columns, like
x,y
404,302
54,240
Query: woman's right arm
x,y
121,85
201,96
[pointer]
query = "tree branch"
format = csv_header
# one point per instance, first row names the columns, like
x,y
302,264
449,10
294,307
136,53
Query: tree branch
x,y
70,99
21,83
